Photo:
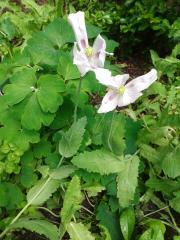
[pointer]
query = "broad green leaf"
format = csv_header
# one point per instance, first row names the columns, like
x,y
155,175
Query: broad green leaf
x,y
62,172
113,134
166,186
42,191
20,87
127,222
11,195
92,30
42,149
14,133
59,32
72,200
78,231
42,50
33,117
149,153
48,89
109,220
175,202
127,181
171,163
104,233
99,161
152,235
66,68
39,226
71,140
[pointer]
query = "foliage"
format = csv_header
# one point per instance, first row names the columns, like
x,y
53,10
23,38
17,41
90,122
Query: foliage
x,y
97,175
134,23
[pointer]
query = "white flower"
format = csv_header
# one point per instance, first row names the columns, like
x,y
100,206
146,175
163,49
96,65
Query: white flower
x,y
119,93
86,58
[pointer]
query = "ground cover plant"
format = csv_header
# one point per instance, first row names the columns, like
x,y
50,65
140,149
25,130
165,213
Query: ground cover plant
x,y
86,153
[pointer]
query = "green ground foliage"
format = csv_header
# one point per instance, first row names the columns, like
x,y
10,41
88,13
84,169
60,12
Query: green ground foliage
x,y
83,175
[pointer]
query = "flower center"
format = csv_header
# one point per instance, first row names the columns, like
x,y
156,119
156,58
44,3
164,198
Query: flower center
x,y
89,51
121,89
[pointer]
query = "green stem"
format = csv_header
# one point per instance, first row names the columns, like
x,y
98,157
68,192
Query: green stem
x,y
29,203
110,132
77,99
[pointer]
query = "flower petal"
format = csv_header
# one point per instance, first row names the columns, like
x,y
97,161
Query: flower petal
x,y
103,76
80,60
99,48
143,82
109,102
120,80
77,22
128,97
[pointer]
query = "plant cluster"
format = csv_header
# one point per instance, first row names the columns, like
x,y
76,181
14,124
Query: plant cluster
x,y
68,172
134,23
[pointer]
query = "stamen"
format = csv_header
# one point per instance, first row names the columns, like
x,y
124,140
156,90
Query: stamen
x,y
89,51
121,89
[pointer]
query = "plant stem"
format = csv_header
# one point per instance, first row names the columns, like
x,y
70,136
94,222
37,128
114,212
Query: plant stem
x,y
29,203
77,100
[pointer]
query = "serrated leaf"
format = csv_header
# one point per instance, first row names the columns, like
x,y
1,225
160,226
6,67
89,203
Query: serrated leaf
x,y
72,200
127,222
62,172
39,226
171,163
42,191
98,161
78,231
127,181
71,140
113,134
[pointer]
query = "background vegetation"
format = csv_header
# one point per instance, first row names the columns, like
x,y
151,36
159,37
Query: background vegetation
x,y
143,201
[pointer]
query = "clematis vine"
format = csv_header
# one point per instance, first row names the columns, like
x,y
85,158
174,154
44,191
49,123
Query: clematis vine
x,y
86,58
119,93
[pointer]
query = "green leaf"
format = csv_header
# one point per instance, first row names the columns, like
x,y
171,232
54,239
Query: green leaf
x,y
66,68
151,235
109,220
127,222
167,186
42,191
78,231
59,32
111,140
92,31
171,163
39,226
127,181
33,117
72,200
48,89
62,172
175,202
14,133
42,149
71,140
20,87
41,50
11,195
98,161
